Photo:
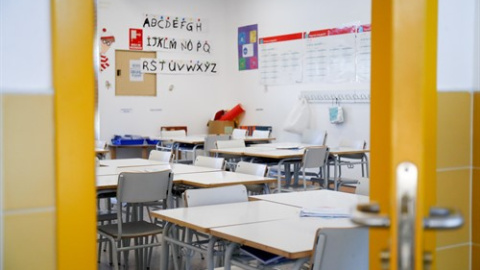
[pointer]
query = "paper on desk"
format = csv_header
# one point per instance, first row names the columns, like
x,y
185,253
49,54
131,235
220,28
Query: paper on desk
x,y
290,147
327,212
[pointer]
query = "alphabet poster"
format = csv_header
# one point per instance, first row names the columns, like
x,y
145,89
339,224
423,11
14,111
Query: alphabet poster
x,y
247,47
177,66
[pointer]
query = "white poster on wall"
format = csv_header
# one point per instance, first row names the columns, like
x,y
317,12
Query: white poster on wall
x,y
330,55
136,74
364,52
281,59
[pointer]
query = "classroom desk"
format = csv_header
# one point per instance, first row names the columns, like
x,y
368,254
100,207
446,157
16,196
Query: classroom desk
x,y
101,152
146,148
281,155
195,176
271,236
218,216
315,198
337,153
177,168
107,177
129,162
219,178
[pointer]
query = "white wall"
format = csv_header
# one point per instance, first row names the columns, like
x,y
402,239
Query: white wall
x,y
270,105
194,99
458,45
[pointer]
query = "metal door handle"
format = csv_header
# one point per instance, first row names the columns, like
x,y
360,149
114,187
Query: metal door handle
x,y
367,215
443,219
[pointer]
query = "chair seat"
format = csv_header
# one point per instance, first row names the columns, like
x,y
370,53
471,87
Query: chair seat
x,y
106,216
131,229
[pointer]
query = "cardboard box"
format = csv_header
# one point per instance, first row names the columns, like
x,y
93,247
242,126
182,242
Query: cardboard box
x,y
220,127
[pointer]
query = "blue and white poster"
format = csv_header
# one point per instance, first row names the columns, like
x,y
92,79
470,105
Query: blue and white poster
x,y
247,47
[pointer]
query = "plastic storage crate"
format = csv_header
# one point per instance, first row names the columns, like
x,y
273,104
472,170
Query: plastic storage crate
x,y
127,140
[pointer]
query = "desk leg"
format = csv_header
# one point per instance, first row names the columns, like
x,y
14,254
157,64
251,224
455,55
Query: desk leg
x,y
210,251
164,256
113,152
279,176
228,255
335,174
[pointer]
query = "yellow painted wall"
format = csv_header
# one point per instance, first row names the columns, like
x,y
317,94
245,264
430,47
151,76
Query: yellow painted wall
x,y
28,182
47,164
476,183
454,167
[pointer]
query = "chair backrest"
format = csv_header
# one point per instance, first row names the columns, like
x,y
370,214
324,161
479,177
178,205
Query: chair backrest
x,y
355,144
211,140
315,157
230,144
167,128
142,187
340,249
251,168
160,155
173,133
261,134
239,133
363,186
210,162
218,195
314,136
100,144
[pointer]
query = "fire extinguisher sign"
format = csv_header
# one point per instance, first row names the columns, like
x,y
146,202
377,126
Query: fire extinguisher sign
x,y
136,39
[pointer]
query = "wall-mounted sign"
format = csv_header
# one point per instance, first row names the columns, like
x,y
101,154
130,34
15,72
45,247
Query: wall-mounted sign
x,y
247,47
135,39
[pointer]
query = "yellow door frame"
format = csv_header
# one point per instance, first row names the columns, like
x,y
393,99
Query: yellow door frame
x,y
403,114
74,88
403,118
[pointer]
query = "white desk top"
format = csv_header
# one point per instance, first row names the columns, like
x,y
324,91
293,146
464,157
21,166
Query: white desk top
x,y
347,150
177,168
220,178
130,162
200,139
292,238
203,218
284,145
107,181
315,198
265,152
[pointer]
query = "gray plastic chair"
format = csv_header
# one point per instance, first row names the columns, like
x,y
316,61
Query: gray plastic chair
x,y
210,162
254,169
314,137
137,190
158,155
211,142
231,161
340,249
213,196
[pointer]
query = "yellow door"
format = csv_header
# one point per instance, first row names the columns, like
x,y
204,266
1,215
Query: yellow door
x,y
403,133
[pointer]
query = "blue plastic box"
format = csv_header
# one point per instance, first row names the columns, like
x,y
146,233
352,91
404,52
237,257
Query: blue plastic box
x,y
128,140
152,141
